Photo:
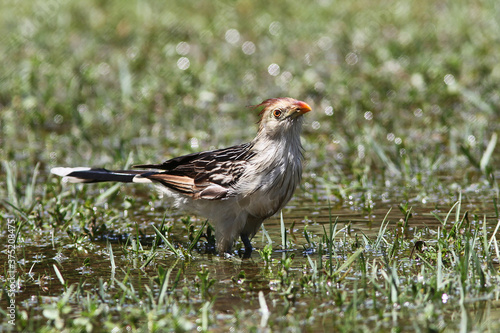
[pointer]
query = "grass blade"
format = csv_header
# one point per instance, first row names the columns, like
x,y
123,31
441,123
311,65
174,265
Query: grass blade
x,y
264,310
170,246
266,235
449,213
197,237
383,227
283,231
164,287
59,275
493,237
349,261
112,259
485,159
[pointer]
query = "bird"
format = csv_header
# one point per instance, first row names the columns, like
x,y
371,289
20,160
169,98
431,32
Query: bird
x,y
235,188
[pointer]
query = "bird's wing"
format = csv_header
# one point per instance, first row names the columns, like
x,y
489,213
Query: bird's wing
x,y
206,175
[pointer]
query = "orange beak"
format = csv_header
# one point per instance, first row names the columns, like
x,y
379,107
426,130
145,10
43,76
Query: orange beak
x,y
303,107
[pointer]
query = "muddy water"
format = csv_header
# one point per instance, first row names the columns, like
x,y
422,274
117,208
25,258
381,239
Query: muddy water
x,y
87,263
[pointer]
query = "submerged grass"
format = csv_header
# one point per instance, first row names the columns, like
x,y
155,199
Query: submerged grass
x,y
426,280
405,97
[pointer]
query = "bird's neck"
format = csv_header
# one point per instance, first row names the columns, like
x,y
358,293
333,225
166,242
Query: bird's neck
x,y
286,142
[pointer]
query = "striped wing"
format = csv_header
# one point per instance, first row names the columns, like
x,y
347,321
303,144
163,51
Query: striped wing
x,y
206,175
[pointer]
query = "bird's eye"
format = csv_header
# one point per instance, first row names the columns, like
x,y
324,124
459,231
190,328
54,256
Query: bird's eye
x,y
277,113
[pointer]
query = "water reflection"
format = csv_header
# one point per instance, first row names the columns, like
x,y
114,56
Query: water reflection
x,y
238,281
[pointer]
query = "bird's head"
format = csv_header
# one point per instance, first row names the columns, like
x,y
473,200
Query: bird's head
x,y
281,116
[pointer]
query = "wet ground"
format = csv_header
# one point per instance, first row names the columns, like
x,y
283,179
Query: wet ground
x,y
237,282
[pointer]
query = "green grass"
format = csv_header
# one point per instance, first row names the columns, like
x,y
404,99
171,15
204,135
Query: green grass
x,y
405,98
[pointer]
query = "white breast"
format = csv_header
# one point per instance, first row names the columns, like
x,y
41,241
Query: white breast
x,y
279,170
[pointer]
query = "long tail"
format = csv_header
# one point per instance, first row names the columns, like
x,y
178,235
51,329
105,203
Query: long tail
x,y
95,175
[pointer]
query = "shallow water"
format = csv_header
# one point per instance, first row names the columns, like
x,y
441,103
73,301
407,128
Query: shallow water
x,y
87,263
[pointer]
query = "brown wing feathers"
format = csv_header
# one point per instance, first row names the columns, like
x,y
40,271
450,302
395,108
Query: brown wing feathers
x,y
207,175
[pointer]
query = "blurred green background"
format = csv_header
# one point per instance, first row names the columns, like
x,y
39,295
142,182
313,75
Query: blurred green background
x,y
397,87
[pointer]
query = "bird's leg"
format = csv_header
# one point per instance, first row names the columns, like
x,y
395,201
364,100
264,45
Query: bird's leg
x,y
248,245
